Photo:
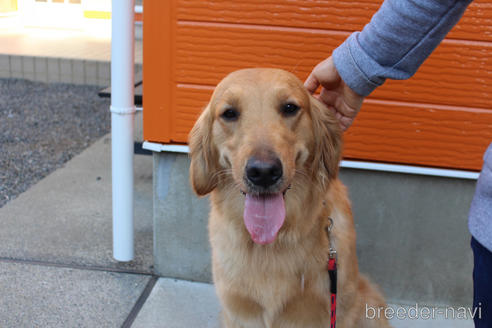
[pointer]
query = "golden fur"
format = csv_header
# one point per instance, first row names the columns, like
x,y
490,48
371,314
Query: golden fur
x,y
285,283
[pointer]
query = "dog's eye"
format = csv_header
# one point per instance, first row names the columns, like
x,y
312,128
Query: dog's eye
x,y
290,109
230,114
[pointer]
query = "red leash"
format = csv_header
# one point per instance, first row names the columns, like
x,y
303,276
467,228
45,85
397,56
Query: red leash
x,y
332,272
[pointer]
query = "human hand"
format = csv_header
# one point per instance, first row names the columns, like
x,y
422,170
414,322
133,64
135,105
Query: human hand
x,y
334,92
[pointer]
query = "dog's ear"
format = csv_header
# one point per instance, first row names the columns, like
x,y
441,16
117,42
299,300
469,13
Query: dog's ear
x,y
203,166
327,143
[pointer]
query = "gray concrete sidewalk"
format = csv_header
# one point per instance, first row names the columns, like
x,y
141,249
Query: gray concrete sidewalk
x,y
56,265
181,304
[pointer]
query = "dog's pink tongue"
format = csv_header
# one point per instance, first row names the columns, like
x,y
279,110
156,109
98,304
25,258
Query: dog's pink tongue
x,y
264,216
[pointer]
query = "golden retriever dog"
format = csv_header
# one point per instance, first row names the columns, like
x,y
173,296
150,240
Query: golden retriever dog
x,y
268,152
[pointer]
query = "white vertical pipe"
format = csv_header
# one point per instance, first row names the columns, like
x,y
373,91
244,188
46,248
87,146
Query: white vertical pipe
x,y
122,117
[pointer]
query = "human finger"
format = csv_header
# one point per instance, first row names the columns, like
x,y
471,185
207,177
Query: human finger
x,y
311,83
328,97
327,74
338,99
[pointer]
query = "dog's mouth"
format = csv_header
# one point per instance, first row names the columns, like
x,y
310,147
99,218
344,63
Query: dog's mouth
x,y
264,215
264,205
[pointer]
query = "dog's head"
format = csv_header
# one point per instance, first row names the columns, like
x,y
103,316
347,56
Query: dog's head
x,y
262,132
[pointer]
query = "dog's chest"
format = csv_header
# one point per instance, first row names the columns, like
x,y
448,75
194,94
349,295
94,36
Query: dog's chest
x,y
273,280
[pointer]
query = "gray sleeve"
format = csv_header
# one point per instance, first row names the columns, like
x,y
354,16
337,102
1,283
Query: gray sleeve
x,y
400,36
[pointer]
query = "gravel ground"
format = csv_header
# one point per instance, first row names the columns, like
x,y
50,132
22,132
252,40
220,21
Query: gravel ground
x,y
42,126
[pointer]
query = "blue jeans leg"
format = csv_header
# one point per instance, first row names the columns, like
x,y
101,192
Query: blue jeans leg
x,y
482,285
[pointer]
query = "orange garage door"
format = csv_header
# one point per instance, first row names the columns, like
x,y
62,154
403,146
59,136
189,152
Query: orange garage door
x,y
442,117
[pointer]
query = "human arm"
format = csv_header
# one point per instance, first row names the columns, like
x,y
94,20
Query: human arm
x,y
399,37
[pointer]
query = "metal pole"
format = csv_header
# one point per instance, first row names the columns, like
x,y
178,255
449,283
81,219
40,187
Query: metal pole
x,y
122,118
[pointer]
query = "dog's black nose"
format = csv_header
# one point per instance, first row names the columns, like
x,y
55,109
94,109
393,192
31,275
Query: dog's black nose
x,y
263,173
